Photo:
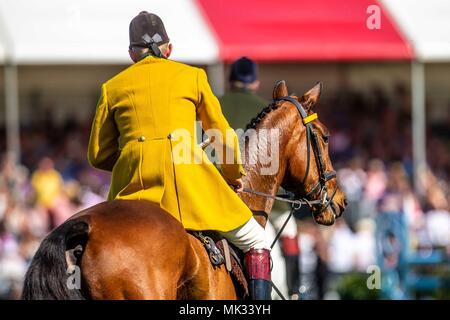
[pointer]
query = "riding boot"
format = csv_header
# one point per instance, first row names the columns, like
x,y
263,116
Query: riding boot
x,y
257,265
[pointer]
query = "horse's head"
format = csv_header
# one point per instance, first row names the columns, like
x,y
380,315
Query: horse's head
x,y
309,172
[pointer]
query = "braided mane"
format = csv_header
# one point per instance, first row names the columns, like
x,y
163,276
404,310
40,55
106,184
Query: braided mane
x,y
261,115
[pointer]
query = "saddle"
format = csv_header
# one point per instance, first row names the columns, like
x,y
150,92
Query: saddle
x,y
221,252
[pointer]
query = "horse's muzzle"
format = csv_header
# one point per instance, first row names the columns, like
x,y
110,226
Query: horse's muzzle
x,y
329,216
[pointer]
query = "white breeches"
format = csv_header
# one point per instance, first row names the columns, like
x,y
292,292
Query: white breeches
x,y
249,235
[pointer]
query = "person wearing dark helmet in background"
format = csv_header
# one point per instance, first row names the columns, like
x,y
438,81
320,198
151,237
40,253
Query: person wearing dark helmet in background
x,y
240,104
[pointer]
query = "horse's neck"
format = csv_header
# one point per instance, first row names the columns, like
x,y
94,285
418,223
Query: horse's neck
x,y
263,176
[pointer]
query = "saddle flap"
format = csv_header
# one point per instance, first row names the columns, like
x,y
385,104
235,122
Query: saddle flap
x,y
236,271
221,252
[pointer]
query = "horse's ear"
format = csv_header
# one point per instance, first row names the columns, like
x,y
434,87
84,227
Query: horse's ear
x,y
309,99
280,90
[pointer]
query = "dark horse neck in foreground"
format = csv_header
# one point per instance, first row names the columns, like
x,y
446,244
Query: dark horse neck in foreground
x,y
135,250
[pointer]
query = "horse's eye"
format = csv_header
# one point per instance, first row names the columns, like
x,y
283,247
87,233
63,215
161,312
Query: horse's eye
x,y
326,139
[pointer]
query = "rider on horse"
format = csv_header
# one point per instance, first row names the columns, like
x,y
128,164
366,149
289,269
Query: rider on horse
x,y
136,131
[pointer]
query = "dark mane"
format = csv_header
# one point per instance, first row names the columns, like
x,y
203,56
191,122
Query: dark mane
x,y
260,116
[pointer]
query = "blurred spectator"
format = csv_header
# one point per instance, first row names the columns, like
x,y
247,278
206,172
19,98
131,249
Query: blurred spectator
x,y
12,264
47,184
240,104
376,181
289,245
364,245
341,250
352,181
438,226
437,223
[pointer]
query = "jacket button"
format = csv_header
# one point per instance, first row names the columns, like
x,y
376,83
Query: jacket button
x,y
141,139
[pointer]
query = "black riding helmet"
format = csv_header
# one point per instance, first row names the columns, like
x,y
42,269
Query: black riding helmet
x,y
147,31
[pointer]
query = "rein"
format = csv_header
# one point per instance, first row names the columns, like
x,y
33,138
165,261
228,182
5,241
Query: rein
x,y
296,203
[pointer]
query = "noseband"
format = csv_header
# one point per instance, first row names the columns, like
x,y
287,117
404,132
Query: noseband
x,y
312,140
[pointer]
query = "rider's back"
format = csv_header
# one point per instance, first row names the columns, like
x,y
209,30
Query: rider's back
x,y
138,110
153,98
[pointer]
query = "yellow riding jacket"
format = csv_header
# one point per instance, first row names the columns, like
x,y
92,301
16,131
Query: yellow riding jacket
x,y
144,121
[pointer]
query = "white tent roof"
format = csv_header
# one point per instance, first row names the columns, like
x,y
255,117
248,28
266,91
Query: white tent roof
x,y
96,31
427,25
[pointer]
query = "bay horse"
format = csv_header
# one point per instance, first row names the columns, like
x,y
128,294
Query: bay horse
x,y
135,250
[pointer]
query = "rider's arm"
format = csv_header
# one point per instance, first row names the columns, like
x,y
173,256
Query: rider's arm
x,y
210,114
103,149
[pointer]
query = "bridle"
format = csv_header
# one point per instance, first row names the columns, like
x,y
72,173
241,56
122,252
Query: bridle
x,y
313,141
325,199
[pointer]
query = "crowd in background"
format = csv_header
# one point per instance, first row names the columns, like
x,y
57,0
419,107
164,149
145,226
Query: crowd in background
x,y
370,148
53,182
387,221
